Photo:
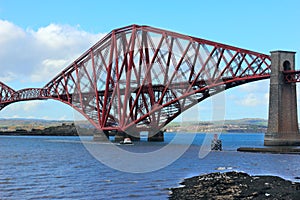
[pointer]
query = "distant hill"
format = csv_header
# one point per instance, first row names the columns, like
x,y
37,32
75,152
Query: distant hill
x,y
25,121
250,121
247,125
24,126
237,125
44,122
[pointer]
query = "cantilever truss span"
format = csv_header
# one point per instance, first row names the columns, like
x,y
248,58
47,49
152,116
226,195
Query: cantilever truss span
x,y
143,77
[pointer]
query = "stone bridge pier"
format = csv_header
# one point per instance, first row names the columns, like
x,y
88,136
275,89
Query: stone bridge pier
x,y
283,121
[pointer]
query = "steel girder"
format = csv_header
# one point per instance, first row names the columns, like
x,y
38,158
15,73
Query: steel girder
x,y
8,95
143,77
291,76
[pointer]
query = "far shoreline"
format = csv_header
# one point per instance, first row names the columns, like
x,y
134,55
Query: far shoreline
x,y
43,133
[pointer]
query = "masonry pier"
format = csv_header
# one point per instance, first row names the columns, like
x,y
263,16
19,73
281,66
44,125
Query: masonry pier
x,y
100,136
120,135
158,137
283,120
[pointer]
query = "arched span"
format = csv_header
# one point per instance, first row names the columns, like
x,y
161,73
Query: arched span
x,y
143,77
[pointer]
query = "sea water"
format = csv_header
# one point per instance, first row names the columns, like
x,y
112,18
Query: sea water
x,y
42,167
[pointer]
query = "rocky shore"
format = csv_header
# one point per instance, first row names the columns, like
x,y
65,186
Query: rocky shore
x,y
236,185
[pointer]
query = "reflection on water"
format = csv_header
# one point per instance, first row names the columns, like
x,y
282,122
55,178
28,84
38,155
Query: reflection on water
x,y
60,167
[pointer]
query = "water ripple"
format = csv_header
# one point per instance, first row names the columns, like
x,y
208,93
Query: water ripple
x,y
61,168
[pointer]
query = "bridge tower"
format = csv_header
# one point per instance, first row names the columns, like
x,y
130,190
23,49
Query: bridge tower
x,y
283,121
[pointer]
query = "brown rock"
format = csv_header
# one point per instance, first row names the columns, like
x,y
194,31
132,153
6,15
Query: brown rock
x,y
235,185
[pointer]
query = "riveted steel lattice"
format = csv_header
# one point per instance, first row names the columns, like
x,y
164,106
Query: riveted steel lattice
x,y
144,77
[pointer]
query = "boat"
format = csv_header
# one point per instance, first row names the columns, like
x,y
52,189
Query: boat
x,y
126,141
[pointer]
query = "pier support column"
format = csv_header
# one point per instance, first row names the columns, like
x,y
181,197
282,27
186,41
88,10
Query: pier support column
x,y
119,136
100,136
134,135
158,137
283,121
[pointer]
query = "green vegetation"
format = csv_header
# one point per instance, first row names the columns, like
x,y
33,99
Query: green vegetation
x,y
57,127
248,125
43,127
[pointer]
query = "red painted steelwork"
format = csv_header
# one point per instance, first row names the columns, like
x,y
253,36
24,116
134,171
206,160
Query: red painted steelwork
x,y
143,77
292,76
6,95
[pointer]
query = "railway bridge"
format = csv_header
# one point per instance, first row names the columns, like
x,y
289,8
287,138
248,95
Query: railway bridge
x,y
139,78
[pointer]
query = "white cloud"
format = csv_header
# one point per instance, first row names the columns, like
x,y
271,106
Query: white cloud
x,y
31,105
26,106
257,86
49,66
38,109
45,117
250,100
10,32
64,117
7,76
253,99
35,56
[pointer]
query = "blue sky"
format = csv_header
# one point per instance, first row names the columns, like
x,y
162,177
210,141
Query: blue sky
x,y
40,38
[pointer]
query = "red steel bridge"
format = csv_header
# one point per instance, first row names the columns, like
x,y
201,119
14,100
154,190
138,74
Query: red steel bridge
x,y
143,77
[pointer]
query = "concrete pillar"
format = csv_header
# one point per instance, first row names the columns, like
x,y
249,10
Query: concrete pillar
x,y
283,121
158,137
100,136
134,135
119,136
